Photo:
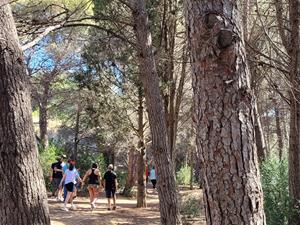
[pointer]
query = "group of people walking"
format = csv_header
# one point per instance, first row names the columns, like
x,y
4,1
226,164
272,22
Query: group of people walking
x,y
65,180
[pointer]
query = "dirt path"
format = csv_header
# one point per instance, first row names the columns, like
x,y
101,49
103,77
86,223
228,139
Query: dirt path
x,y
126,212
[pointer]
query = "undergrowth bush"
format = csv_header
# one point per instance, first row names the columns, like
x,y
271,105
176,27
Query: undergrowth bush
x,y
47,157
191,207
183,176
278,205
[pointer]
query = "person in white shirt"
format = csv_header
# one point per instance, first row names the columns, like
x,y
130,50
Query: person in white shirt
x,y
69,179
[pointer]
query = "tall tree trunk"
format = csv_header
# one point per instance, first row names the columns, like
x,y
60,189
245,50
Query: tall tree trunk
x,y
43,118
130,180
166,187
294,145
141,194
259,136
192,167
76,135
23,197
224,114
278,132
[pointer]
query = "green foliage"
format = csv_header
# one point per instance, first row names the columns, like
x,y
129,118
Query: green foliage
x,y
47,157
86,159
183,176
122,176
191,207
278,205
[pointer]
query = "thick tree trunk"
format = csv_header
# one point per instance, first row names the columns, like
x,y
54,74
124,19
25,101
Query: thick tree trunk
x,y
294,145
224,115
166,187
130,176
23,197
141,194
294,157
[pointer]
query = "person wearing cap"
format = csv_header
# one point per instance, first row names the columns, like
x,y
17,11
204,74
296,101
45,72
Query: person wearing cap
x,y
56,176
110,186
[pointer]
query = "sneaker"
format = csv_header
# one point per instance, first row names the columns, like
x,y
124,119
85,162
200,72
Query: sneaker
x,y
73,207
94,206
108,209
65,209
114,207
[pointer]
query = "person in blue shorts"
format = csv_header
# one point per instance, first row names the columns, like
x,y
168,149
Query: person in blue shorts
x,y
110,185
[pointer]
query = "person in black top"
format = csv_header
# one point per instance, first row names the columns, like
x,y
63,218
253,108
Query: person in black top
x,y
110,186
94,181
56,176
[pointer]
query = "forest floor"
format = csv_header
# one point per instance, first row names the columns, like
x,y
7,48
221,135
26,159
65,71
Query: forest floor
x,y
125,214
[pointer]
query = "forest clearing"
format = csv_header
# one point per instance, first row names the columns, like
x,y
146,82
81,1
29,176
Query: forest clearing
x,y
168,112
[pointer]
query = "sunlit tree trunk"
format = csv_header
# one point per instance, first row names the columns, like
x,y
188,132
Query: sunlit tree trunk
x,y
23,197
224,106
141,194
169,210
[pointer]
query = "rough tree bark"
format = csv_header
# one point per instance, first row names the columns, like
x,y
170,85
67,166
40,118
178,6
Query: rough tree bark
x,y
23,197
224,114
259,136
141,193
294,145
130,180
290,37
166,187
43,115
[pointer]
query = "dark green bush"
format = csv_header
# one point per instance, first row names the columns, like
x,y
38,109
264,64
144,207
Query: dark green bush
x,y
191,207
278,205
47,157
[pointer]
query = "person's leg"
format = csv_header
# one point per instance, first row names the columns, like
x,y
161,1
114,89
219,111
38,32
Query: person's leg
x,y
114,199
154,184
109,203
108,196
95,196
91,194
66,200
65,192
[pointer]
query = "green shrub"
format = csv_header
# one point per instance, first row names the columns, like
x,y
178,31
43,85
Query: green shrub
x,y
278,205
84,162
47,157
183,175
122,176
191,207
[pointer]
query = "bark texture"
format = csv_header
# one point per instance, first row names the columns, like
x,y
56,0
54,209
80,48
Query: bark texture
x,y
131,178
294,145
166,187
141,193
22,190
224,115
